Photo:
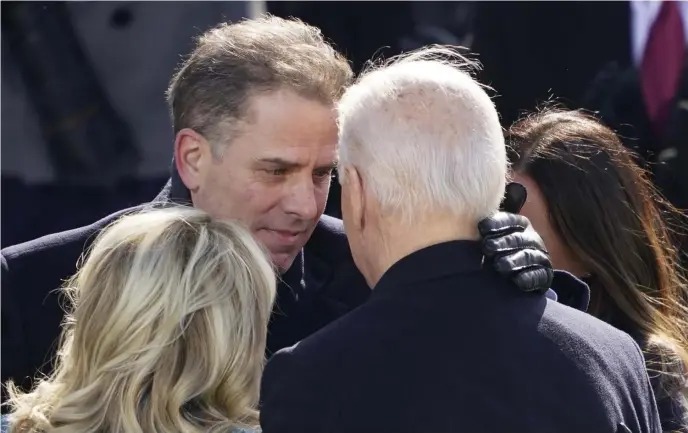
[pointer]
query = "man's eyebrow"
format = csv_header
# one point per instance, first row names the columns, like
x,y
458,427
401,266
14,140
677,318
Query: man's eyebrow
x,y
278,162
283,163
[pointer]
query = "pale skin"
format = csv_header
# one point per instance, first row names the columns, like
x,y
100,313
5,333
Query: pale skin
x,y
274,174
536,210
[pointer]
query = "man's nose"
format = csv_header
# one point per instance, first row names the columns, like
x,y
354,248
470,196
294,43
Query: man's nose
x,y
301,199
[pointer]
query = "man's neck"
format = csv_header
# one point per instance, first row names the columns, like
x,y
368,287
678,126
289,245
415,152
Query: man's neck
x,y
400,240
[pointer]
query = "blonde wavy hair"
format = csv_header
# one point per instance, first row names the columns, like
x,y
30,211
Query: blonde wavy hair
x,y
166,332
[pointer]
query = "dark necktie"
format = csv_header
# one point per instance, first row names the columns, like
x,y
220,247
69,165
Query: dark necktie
x,y
663,64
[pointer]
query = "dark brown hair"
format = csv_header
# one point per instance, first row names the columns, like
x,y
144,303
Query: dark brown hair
x,y
605,208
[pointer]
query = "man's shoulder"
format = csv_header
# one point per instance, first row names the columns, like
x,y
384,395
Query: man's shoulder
x,y
608,357
318,359
330,346
563,316
58,243
329,240
592,338
297,379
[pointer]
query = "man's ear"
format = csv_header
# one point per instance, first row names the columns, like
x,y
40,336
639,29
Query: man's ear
x,y
356,196
191,153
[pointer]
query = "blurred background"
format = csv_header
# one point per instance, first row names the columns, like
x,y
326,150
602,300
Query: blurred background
x,y
86,132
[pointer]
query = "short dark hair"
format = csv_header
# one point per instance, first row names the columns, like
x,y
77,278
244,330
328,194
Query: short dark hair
x,y
232,62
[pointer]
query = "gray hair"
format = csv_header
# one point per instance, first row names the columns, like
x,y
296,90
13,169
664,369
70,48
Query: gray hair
x,y
425,136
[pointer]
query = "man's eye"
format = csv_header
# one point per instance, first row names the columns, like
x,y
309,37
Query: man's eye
x,y
323,173
277,172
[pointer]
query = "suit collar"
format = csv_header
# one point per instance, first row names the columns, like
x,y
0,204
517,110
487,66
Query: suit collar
x,y
571,291
174,190
435,261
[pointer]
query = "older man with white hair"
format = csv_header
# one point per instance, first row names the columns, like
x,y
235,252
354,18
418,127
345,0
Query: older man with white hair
x,y
443,345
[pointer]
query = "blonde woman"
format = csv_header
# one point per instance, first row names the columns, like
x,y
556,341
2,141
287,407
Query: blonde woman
x,y
166,332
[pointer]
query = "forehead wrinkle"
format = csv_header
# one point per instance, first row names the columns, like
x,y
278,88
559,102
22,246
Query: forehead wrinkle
x,y
286,161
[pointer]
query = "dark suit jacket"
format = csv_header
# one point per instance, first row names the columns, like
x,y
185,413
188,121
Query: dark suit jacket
x,y
322,285
580,54
446,348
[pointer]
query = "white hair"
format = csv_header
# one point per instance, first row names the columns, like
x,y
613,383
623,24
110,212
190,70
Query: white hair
x,y
425,136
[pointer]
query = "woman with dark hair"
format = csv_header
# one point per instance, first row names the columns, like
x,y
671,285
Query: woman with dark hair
x,y
602,220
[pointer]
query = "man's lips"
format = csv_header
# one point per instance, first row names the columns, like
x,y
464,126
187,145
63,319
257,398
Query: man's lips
x,y
286,236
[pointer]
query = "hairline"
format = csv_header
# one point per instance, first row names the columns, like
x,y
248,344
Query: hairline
x,y
247,117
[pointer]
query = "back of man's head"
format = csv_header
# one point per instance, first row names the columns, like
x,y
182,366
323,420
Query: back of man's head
x,y
425,137
233,62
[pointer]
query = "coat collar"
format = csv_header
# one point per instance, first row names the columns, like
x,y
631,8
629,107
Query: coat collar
x,y
433,262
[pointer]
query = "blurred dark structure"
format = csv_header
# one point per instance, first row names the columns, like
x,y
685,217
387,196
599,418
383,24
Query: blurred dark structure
x,y
358,29
87,140
581,55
